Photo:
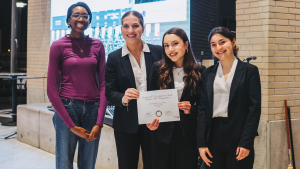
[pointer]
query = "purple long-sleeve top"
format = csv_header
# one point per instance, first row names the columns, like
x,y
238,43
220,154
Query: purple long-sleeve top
x,y
77,73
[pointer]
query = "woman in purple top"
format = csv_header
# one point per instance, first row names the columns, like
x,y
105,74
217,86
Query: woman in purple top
x,y
80,103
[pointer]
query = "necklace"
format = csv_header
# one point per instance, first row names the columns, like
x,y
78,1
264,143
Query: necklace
x,y
179,71
81,49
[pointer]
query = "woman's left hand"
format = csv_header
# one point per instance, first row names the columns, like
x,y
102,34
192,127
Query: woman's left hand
x,y
185,106
242,153
95,132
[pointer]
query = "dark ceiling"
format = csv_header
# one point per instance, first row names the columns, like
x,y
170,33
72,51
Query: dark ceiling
x,y
5,26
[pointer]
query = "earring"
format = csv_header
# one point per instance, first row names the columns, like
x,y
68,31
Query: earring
x,y
187,50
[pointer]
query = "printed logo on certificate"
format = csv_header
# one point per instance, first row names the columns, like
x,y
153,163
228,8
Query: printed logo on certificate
x,y
158,104
158,113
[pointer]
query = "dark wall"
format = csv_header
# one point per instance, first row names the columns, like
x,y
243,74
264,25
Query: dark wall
x,y
205,15
227,14
5,24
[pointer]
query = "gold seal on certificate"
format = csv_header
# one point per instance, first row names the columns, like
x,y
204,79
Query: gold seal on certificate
x,y
158,104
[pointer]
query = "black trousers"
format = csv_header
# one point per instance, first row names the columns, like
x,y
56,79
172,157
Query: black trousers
x,y
223,149
176,155
128,148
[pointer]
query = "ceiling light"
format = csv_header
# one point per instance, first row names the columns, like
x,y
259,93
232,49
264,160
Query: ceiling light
x,y
21,4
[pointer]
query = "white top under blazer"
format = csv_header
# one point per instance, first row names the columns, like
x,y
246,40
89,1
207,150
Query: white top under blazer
x,y
222,91
178,74
140,73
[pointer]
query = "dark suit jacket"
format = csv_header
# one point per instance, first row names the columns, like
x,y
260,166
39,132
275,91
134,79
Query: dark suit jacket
x,y
118,78
244,107
188,122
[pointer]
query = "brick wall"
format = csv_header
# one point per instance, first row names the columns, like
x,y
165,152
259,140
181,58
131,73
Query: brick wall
x,y
207,63
268,29
38,44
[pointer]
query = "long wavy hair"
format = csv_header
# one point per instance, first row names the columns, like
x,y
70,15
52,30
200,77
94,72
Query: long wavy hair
x,y
190,66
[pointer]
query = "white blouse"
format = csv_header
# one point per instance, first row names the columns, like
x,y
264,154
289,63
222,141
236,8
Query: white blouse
x,y
222,91
140,73
178,74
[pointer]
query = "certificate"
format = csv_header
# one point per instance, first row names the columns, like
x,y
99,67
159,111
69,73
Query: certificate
x,y
159,104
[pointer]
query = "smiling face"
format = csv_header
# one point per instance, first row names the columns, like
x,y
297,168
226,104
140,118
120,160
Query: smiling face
x,y
175,48
132,29
82,23
222,47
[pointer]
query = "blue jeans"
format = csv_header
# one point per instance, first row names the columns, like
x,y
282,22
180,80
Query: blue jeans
x,y
83,114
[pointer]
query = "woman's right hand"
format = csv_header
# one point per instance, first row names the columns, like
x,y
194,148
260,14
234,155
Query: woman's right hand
x,y
81,132
130,94
203,152
153,125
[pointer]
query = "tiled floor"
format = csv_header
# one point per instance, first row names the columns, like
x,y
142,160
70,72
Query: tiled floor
x,y
17,155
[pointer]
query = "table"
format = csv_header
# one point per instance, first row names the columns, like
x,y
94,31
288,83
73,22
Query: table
x,y
13,77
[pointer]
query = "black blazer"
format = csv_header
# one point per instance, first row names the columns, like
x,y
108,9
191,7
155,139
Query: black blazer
x,y
118,78
244,107
188,122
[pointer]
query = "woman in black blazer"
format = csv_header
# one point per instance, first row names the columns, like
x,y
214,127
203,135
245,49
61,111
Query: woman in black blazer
x,y
230,107
127,73
174,143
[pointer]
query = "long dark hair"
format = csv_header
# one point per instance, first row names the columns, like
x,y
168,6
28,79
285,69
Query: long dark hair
x,y
224,32
190,66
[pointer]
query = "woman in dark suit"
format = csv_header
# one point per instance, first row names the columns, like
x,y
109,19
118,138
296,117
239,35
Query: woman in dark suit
x,y
174,143
230,107
127,73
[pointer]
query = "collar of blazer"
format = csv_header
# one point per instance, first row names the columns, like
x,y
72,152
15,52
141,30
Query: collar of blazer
x,y
128,69
240,69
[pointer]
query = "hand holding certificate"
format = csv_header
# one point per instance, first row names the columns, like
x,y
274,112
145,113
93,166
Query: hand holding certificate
x,y
158,104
